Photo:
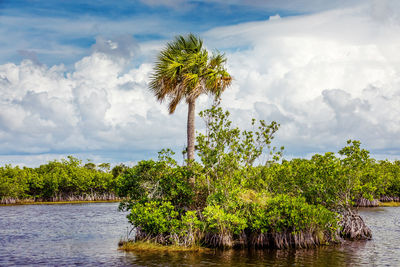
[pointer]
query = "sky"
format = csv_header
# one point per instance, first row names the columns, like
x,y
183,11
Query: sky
x,y
74,75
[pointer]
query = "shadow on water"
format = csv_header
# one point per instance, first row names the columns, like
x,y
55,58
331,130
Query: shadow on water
x,y
323,256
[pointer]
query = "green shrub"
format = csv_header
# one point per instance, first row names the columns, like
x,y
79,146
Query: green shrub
x,y
219,221
13,182
55,179
155,217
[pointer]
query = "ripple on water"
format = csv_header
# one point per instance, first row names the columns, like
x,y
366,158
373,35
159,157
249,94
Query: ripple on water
x,y
87,234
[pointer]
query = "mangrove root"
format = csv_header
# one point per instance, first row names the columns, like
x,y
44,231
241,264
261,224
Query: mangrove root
x,y
363,202
164,239
288,240
389,199
256,240
352,227
63,198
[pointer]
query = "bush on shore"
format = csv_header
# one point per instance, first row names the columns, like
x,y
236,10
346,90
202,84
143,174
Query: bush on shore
x,y
227,200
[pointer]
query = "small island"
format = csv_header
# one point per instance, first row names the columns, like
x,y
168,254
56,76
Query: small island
x,y
224,201
241,193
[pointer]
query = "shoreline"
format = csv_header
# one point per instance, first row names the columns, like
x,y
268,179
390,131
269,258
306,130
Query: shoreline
x,y
148,246
389,204
60,202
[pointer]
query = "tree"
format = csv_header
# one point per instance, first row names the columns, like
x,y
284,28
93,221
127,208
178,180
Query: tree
x,y
185,70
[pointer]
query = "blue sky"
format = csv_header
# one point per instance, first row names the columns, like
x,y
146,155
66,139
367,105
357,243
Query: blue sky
x,y
31,19
73,74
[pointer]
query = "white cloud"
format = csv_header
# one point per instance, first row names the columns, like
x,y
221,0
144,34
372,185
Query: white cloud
x,y
325,78
274,17
100,107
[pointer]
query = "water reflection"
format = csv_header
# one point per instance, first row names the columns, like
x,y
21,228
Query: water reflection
x,y
325,256
66,235
60,234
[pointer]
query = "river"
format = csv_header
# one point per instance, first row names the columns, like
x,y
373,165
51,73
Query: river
x,y
87,235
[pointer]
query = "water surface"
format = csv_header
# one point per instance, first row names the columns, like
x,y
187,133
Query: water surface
x,y
87,235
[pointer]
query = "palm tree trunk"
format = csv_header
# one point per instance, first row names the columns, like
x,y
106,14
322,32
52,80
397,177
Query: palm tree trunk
x,y
190,130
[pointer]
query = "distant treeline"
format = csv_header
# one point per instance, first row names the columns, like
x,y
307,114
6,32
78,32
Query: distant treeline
x,y
68,179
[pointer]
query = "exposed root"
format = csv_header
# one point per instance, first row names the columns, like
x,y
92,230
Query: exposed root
x,y
9,200
62,198
85,197
363,202
289,240
218,240
389,199
165,239
353,227
241,241
255,240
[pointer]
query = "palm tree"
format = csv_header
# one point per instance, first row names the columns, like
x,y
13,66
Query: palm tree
x,y
185,70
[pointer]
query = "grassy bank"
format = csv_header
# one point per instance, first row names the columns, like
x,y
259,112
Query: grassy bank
x,y
389,204
151,246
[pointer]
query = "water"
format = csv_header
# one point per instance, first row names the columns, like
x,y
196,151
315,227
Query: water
x,y
87,235
57,235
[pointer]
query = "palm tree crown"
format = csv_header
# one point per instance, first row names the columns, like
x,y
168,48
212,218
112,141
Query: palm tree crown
x,y
185,70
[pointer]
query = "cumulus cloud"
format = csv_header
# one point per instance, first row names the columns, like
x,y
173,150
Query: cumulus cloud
x,y
325,77
102,105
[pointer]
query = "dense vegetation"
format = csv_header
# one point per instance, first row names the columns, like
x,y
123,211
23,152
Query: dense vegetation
x,y
227,200
67,179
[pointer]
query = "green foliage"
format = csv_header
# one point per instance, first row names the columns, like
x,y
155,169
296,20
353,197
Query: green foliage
x,y
389,172
13,182
222,222
190,224
227,154
155,217
184,70
157,180
224,148
118,170
319,180
285,213
55,179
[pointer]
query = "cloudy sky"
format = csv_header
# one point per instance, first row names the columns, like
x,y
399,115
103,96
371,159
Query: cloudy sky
x,y
73,74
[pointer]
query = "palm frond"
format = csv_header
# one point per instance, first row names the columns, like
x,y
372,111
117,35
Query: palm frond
x,y
184,69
